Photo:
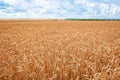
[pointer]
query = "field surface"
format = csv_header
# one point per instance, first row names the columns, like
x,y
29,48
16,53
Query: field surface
x,y
59,50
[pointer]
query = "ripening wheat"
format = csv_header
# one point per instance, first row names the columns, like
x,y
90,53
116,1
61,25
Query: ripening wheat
x,y
59,50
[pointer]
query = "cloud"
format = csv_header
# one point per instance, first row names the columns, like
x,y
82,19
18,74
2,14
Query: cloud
x,y
59,9
99,9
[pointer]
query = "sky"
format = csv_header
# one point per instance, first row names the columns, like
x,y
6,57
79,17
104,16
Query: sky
x,y
60,9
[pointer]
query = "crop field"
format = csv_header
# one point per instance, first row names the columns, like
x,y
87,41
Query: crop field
x,y
59,50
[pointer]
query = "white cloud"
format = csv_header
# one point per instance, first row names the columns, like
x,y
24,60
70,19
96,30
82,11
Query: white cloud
x,y
60,9
115,9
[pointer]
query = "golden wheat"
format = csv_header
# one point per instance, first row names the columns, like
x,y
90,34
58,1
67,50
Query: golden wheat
x,y
59,50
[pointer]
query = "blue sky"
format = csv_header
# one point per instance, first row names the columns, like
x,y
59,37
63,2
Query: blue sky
x,y
105,9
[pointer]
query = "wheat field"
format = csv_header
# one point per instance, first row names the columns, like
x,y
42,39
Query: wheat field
x,y
59,50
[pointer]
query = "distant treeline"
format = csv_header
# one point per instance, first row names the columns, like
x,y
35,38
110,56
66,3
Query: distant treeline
x,y
94,19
